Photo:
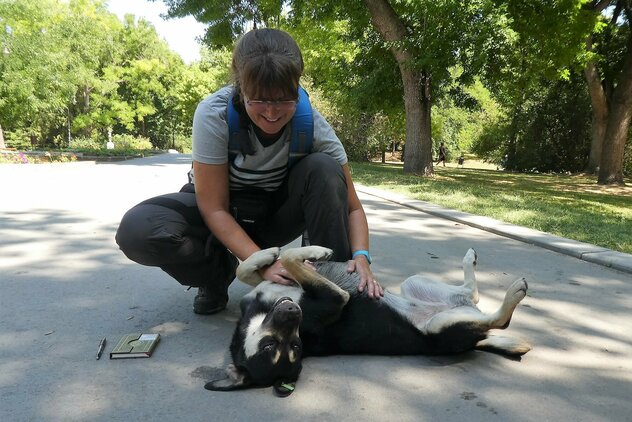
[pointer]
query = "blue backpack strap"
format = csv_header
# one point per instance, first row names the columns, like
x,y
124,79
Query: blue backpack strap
x,y
302,129
234,127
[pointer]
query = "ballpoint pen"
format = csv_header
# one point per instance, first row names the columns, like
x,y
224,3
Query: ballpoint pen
x,y
101,347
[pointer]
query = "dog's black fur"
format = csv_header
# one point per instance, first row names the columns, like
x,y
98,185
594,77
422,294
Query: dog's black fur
x,y
325,314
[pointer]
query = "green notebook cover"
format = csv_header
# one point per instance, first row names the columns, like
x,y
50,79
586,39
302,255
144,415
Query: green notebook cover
x,y
135,345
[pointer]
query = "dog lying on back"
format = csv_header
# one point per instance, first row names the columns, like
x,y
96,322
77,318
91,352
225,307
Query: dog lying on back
x,y
324,314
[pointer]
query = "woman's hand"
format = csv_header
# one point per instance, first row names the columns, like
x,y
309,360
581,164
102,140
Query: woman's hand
x,y
277,274
367,280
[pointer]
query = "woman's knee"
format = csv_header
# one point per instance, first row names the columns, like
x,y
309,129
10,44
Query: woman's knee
x,y
133,232
149,234
322,173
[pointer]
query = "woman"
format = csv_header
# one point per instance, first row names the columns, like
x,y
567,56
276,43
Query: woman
x,y
244,201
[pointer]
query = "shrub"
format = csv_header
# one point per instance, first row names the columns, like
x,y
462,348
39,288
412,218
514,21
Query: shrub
x,y
85,143
129,142
183,144
18,139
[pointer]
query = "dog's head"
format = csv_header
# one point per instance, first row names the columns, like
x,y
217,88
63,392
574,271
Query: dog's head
x,y
266,349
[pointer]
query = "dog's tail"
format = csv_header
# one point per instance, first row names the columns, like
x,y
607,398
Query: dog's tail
x,y
503,345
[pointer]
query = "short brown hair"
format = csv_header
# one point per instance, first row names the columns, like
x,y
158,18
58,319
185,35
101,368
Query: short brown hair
x,y
266,61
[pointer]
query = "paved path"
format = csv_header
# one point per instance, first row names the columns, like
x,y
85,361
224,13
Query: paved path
x,y
64,285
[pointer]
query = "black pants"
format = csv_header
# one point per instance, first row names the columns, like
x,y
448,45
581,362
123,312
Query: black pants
x,y
167,231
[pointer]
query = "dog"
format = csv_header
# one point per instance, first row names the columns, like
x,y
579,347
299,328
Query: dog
x,y
325,314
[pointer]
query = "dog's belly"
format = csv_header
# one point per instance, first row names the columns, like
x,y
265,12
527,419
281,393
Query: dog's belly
x,y
367,327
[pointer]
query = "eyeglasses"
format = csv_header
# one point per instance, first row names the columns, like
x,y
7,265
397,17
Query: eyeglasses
x,y
262,105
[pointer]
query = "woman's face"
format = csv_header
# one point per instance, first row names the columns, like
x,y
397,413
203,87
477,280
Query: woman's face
x,y
270,114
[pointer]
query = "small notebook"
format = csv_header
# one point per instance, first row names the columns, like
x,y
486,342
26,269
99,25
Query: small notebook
x,y
135,345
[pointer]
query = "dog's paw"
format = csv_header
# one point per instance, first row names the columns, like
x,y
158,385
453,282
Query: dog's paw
x,y
470,257
263,258
318,253
247,270
311,253
518,290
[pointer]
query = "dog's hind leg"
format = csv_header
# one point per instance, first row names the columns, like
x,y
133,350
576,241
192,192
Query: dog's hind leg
x,y
247,271
464,322
516,292
503,344
466,314
469,276
427,289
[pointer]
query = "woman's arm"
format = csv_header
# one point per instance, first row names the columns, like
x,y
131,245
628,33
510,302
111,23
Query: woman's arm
x,y
359,240
213,198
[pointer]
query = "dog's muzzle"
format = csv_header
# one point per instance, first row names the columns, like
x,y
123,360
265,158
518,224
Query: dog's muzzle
x,y
285,310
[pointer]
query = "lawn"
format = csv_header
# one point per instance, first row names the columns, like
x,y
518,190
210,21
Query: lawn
x,y
571,206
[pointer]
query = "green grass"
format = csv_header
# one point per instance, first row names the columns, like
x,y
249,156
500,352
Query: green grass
x,y
571,206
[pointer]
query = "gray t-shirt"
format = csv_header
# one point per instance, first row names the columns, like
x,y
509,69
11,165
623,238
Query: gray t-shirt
x,y
267,167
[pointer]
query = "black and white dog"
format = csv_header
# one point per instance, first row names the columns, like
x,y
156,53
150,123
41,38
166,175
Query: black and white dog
x,y
325,314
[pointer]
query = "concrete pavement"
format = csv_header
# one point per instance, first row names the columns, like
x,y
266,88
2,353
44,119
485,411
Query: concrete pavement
x,y
64,285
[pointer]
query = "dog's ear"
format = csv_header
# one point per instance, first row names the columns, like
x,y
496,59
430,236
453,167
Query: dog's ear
x,y
236,380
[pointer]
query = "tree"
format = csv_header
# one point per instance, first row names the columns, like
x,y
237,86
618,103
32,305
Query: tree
x,y
71,69
608,73
426,38
34,87
417,87
227,19
595,35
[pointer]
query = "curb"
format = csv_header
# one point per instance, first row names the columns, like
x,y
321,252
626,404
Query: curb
x,y
584,251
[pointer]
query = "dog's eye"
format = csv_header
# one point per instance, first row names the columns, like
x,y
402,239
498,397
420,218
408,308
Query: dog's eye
x,y
268,347
296,347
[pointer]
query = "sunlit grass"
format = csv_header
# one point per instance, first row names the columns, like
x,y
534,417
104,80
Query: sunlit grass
x,y
571,206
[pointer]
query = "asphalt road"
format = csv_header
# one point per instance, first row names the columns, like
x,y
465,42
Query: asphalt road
x,y
64,285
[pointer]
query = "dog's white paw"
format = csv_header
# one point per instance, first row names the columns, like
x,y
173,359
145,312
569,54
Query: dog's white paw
x,y
311,253
318,253
263,258
247,270
470,257
518,290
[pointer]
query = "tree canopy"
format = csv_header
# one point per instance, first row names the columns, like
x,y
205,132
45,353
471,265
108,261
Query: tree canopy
x,y
545,83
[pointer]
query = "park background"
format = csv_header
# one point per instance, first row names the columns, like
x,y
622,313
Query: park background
x,y
539,89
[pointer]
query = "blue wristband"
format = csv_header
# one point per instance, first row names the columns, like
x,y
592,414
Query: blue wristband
x,y
362,252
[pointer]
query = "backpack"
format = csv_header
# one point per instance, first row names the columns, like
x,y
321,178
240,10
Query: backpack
x,y
301,139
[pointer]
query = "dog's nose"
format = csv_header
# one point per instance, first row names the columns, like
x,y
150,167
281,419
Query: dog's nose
x,y
287,311
290,307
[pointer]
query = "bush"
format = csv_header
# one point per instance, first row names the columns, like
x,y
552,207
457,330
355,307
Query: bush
x,y
548,133
183,144
129,142
85,143
18,139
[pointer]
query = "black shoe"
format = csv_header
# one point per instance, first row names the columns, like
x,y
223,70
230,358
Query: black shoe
x,y
206,303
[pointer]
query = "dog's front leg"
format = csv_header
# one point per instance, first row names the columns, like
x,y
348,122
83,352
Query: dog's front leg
x,y
248,270
329,296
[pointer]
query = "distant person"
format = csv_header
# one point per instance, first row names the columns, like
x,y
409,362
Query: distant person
x,y
442,154
503,163
461,161
239,203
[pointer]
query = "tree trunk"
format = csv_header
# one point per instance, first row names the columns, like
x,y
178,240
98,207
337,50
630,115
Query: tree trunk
x,y
599,104
2,144
417,100
611,164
